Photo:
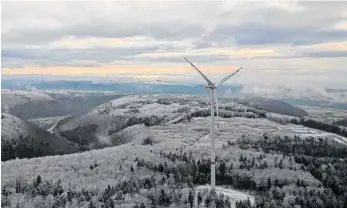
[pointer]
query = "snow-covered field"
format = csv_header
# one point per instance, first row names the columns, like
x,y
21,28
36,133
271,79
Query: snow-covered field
x,y
196,132
325,114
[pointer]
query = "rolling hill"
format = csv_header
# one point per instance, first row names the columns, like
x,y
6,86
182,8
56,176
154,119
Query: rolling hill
x,y
23,139
342,122
274,106
160,156
28,104
96,127
39,104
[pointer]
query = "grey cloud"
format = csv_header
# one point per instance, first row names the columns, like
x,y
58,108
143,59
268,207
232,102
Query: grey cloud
x,y
322,54
173,30
261,34
262,23
30,36
196,58
15,54
80,57
201,45
161,31
248,24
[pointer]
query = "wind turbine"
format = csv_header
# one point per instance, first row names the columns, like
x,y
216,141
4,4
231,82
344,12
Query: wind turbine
x,y
213,88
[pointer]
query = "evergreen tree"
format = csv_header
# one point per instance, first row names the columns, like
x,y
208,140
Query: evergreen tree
x,y
199,199
153,201
208,201
91,205
245,204
58,189
38,181
162,197
276,183
185,158
70,195
191,199
298,182
227,203
269,183
222,169
281,165
230,168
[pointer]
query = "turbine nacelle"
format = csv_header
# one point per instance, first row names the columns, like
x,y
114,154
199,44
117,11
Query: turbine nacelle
x,y
210,87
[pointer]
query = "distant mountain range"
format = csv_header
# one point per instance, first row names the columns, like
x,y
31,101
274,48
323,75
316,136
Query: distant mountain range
x,y
317,103
331,98
60,98
122,87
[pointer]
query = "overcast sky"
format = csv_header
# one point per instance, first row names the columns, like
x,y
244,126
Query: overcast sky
x,y
275,42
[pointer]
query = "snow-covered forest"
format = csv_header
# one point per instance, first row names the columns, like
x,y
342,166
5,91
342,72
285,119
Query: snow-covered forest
x,y
154,151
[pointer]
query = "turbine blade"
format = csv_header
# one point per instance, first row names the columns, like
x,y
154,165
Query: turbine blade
x,y
227,77
207,80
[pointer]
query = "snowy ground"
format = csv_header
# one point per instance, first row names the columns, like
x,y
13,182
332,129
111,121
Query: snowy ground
x,y
193,136
325,114
113,114
129,106
233,194
196,132
74,170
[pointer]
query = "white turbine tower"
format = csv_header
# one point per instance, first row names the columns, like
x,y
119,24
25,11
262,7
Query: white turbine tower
x,y
214,98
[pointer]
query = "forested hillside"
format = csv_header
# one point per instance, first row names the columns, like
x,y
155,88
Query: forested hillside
x,y
161,158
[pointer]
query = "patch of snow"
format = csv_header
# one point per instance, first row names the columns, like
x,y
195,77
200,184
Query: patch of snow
x,y
233,194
